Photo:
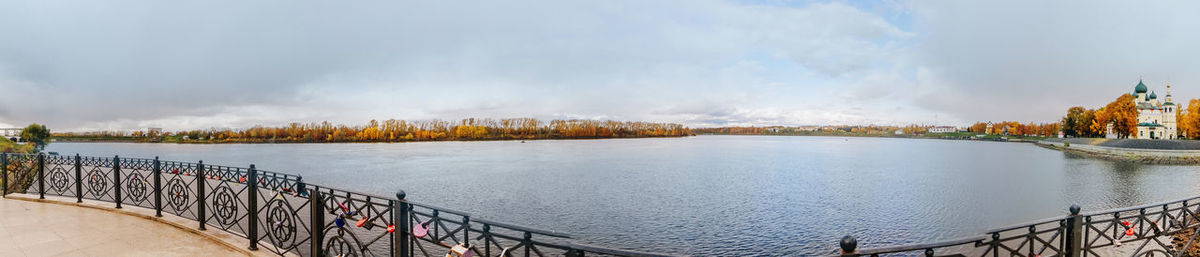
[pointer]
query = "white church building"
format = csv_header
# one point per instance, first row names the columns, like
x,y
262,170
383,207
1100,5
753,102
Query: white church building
x,y
1156,119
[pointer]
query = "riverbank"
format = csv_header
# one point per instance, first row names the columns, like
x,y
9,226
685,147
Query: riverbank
x,y
1181,152
178,140
945,136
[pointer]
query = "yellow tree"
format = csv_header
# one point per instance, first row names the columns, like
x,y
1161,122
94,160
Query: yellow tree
x,y
1073,123
1099,123
1121,113
1189,120
1085,126
978,127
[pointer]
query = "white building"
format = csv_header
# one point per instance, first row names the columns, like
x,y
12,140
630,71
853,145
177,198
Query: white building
x,y
1156,119
12,134
943,129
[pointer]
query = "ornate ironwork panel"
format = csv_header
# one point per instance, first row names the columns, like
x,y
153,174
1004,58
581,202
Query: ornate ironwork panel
x,y
97,178
137,182
227,198
179,188
356,224
22,173
60,175
285,223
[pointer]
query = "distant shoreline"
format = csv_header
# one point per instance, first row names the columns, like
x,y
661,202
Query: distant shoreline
x,y
205,142
965,136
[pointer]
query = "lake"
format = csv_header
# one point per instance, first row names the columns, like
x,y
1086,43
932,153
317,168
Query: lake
x,y
717,195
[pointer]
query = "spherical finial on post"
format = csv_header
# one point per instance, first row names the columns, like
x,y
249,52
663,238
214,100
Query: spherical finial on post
x,y
400,195
849,244
1074,209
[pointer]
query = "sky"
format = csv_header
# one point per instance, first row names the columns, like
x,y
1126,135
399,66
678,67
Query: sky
x,y
77,65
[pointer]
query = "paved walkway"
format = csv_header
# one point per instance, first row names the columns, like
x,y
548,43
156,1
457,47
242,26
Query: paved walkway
x,y
46,229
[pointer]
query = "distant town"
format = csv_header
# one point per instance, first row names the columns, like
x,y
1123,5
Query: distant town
x,y
981,130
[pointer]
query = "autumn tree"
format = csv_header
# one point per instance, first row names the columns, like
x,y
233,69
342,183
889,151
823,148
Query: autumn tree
x,y
1188,120
1073,123
1121,113
1085,127
978,127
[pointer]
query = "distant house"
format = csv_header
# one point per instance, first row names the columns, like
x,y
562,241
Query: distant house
x,y
943,129
12,134
899,132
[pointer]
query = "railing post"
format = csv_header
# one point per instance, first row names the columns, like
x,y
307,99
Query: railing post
x,y
157,188
253,206
78,179
317,216
487,246
1074,230
200,194
300,186
400,220
528,240
117,180
849,244
41,176
466,222
4,173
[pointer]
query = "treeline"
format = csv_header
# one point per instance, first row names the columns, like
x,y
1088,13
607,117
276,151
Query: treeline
x,y
428,130
803,130
1017,128
1084,122
1188,120
999,128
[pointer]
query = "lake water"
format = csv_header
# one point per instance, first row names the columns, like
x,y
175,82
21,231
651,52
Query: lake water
x,y
717,195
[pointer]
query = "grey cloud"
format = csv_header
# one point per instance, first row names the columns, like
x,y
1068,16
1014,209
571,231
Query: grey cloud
x,y
126,64
1030,60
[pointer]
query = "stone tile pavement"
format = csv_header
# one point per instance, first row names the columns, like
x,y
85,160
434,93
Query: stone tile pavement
x,y
29,228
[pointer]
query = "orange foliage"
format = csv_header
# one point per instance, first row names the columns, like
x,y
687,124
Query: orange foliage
x,y
1122,113
434,130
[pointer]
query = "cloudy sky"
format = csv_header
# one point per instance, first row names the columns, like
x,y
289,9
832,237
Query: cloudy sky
x,y
85,65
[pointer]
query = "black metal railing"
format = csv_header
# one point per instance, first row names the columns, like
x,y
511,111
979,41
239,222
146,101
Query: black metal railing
x,y
281,213
1163,229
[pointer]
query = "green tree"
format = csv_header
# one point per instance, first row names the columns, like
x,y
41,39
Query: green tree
x,y
36,134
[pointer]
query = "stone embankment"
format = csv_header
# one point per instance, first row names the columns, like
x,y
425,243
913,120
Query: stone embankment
x,y
1135,150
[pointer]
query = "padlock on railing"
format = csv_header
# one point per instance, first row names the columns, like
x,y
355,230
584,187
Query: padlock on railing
x,y
459,250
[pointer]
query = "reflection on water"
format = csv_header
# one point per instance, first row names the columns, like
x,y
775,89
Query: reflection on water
x,y
1126,181
719,195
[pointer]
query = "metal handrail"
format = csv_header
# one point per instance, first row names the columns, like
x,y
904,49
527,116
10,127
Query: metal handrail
x,y
1075,234
239,205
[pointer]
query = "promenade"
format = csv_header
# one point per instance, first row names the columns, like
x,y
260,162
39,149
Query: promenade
x,y
33,228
